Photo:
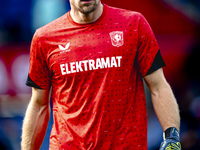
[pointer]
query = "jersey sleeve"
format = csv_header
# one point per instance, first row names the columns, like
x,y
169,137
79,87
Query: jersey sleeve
x,y
147,47
38,76
157,63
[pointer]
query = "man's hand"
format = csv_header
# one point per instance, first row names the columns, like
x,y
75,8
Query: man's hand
x,y
171,140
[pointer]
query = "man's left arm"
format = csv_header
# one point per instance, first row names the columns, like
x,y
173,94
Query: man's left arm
x,y
164,103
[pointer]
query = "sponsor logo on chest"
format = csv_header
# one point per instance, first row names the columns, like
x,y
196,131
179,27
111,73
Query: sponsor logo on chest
x,y
91,64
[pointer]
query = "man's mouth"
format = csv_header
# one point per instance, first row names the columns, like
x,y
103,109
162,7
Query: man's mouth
x,y
85,1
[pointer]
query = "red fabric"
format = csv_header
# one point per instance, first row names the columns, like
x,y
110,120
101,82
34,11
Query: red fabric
x,y
98,93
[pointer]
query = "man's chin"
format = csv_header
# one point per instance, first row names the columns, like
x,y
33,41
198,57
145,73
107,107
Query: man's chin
x,y
87,8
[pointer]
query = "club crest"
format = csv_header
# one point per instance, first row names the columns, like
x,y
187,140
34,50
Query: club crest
x,y
117,38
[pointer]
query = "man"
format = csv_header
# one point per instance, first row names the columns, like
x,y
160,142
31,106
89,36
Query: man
x,y
94,58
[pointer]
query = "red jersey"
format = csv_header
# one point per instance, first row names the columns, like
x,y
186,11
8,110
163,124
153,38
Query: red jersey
x,y
95,71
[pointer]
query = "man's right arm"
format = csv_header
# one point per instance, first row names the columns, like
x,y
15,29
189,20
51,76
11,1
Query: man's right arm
x,y
36,120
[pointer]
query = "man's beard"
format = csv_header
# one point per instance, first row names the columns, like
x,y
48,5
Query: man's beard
x,y
88,9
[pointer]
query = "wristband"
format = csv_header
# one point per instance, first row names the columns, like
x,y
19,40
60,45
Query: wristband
x,y
171,133
171,140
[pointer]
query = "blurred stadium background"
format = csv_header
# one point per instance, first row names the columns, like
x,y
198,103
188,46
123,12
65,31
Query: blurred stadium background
x,y
176,24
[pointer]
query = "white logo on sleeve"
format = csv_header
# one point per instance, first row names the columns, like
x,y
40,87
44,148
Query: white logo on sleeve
x,y
117,38
66,48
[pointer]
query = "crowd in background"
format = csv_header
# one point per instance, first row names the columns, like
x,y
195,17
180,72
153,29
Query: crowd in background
x,y
181,49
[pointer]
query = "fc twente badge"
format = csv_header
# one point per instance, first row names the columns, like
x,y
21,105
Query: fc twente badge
x,y
117,38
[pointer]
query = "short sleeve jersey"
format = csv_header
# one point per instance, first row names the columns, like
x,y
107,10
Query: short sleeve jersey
x,y
95,71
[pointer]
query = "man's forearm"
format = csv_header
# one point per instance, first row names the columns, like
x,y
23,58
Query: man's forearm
x,y
35,125
166,107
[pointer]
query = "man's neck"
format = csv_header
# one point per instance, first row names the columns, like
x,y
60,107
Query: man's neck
x,y
79,17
